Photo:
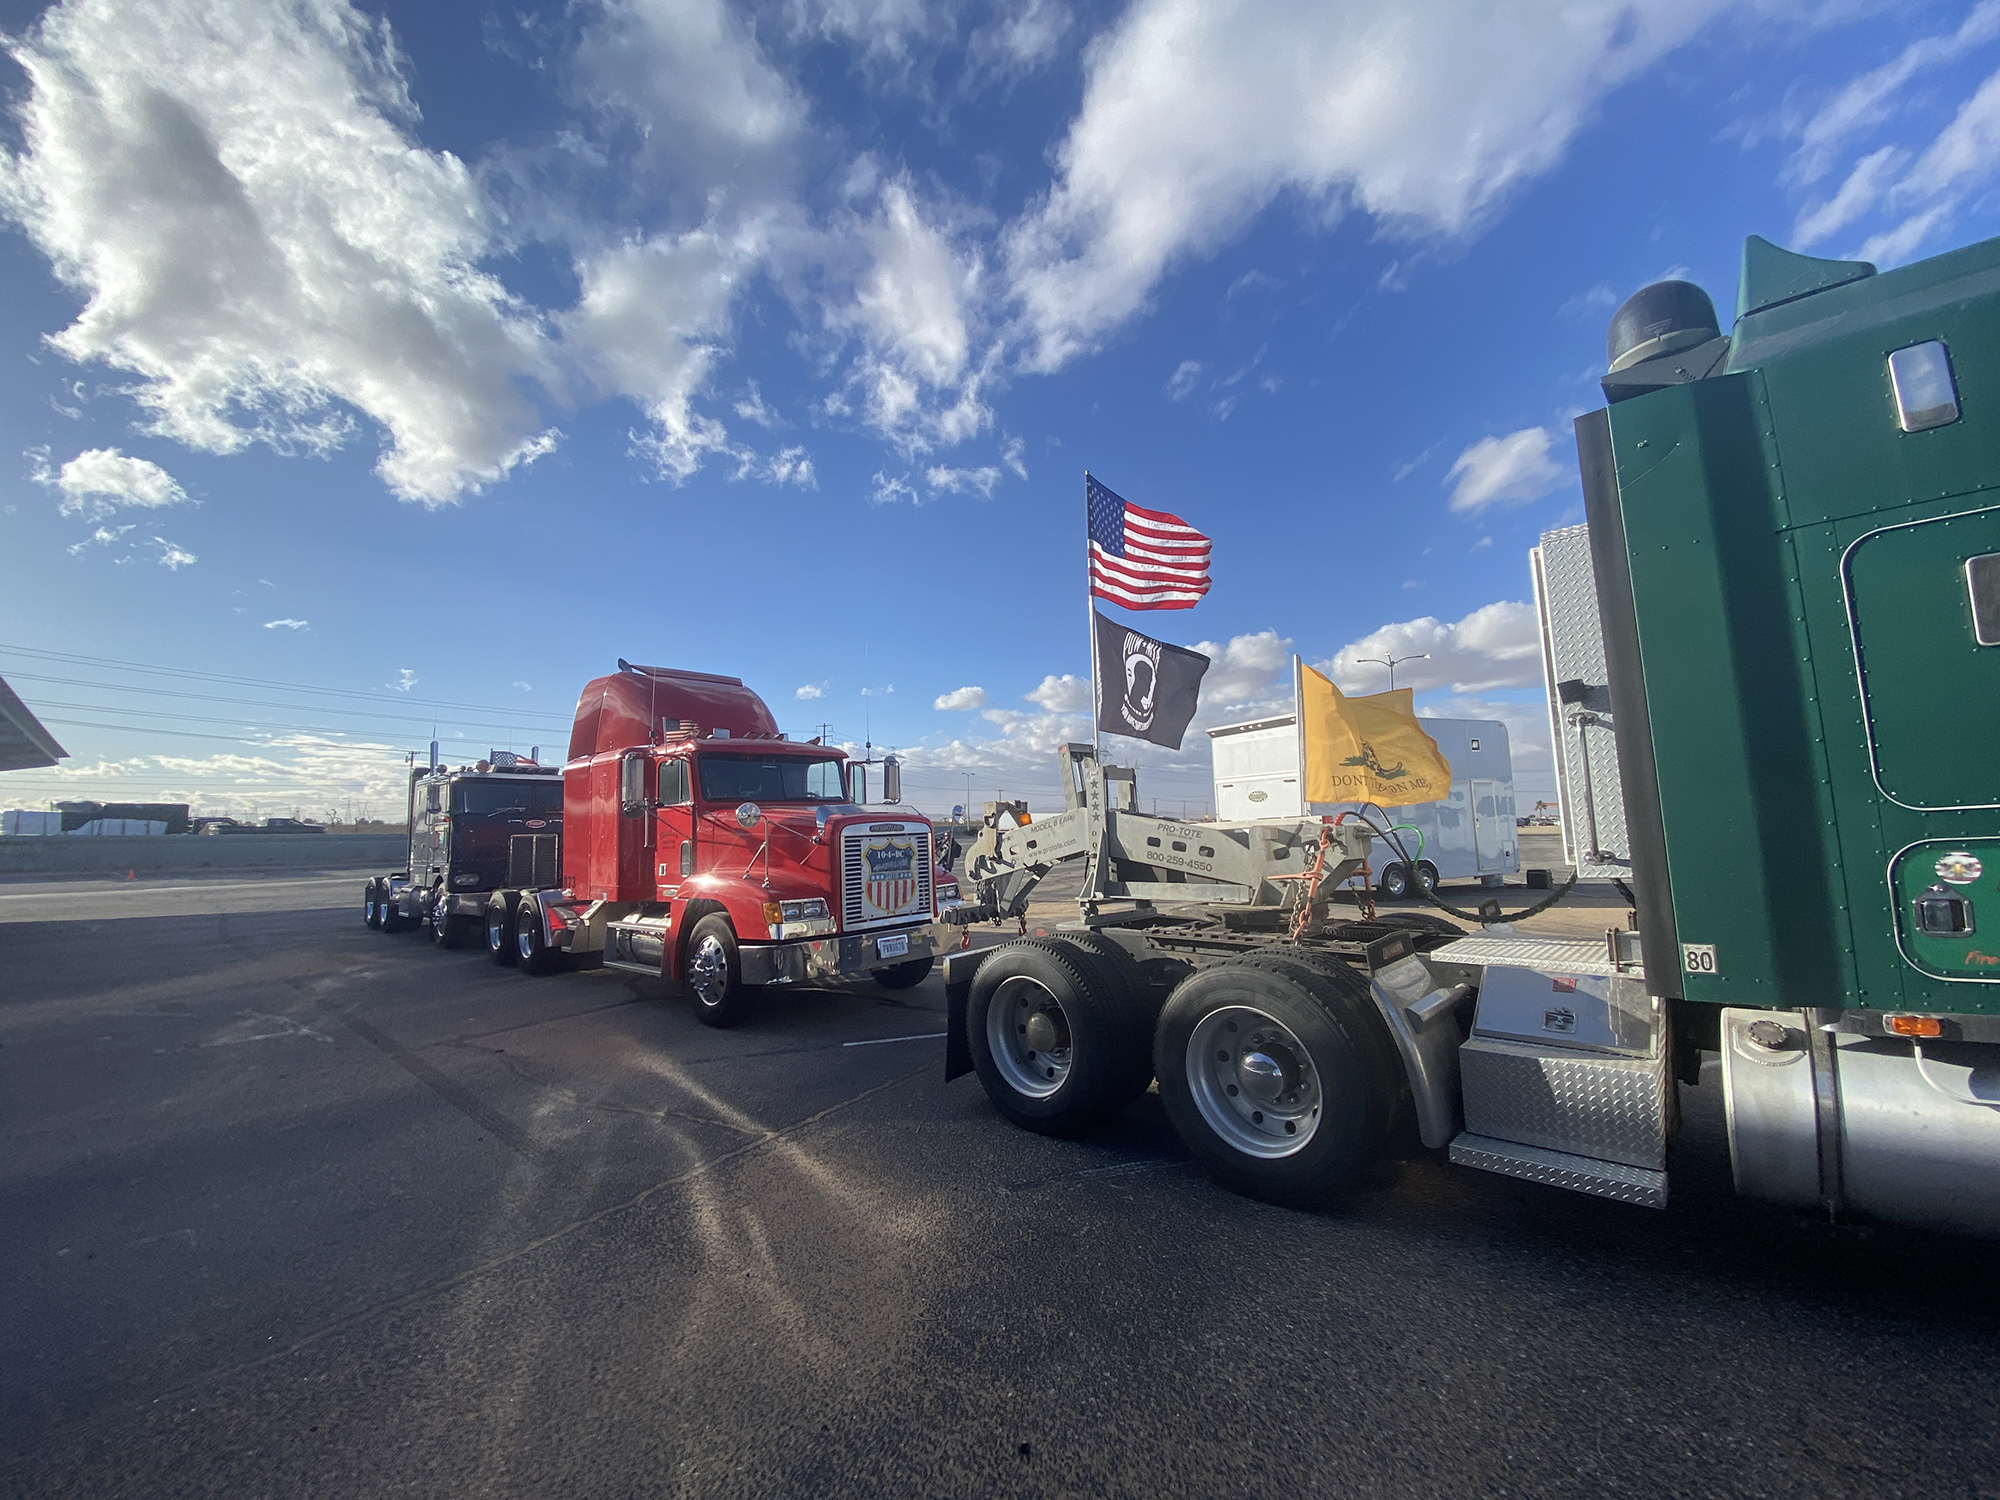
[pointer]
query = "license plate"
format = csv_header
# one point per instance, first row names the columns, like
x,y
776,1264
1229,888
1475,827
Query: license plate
x,y
892,947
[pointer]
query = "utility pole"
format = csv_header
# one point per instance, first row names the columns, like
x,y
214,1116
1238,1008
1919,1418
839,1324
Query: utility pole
x,y
1391,661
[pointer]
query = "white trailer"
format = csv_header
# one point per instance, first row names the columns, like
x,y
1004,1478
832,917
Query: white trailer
x,y
1468,835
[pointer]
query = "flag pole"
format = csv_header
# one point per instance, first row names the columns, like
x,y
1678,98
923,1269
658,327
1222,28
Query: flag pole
x,y
1090,627
1299,723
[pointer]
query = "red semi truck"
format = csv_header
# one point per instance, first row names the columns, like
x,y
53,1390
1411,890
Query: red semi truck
x,y
701,845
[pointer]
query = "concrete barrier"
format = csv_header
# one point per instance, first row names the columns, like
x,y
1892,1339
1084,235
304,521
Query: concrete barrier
x,y
187,854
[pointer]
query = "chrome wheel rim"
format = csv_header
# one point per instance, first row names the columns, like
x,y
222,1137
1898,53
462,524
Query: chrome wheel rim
x,y
1028,1034
708,971
496,931
524,937
1254,1082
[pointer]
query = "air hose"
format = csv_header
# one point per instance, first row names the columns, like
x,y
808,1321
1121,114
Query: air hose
x,y
1388,835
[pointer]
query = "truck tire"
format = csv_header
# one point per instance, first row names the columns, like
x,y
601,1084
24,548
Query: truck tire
x,y
1058,1040
713,974
393,919
1394,882
905,976
1427,877
1277,1075
371,904
532,953
447,931
500,927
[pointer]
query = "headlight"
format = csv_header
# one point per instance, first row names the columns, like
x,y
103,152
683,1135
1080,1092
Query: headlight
x,y
813,910
947,890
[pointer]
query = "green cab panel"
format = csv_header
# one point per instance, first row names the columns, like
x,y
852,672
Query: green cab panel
x,y
1948,911
1930,691
1815,592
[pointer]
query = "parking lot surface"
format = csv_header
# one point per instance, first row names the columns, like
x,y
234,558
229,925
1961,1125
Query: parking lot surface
x,y
291,1207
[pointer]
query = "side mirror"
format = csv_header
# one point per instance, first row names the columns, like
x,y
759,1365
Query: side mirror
x,y
632,785
892,780
857,785
434,798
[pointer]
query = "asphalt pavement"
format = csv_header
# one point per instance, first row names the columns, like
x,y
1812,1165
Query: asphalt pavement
x,y
288,1207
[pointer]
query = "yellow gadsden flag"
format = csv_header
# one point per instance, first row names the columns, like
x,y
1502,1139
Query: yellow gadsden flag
x,y
1368,749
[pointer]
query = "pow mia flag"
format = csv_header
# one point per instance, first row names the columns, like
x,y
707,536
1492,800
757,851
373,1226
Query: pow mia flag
x,y
1145,688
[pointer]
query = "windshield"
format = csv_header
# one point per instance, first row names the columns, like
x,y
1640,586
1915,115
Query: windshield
x,y
490,798
770,778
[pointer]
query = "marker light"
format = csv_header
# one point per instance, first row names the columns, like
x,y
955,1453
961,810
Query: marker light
x,y
1913,1025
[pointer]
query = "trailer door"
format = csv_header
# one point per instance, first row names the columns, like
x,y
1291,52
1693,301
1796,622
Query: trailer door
x,y
1491,836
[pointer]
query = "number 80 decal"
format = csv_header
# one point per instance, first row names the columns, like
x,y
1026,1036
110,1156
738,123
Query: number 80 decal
x,y
1699,958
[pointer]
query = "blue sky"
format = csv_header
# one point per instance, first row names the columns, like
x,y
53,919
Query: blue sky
x,y
405,365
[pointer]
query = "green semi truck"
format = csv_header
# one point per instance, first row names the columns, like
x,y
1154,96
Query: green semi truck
x,y
1773,654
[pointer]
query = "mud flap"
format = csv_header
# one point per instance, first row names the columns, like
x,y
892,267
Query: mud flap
x,y
958,971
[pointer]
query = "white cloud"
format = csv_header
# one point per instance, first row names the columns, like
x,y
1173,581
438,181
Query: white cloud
x,y
103,536
752,407
889,490
1011,457
1862,190
1061,695
286,625
793,466
961,698
406,678
1245,668
1496,646
960,481
1181,384
524,687
1504,471
1197,115
916,287
235,190
98,481
1963,158
1864,102
173,558
810,691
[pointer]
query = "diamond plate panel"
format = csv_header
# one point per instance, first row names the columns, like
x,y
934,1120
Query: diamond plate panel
x,y
1580,1174
1573,648
1550,955
1610,1108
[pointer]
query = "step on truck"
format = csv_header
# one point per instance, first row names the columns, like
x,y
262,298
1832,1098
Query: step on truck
x,y
1774,663
462,821
700,845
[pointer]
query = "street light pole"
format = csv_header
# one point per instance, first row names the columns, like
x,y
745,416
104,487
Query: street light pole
x,y
1391,661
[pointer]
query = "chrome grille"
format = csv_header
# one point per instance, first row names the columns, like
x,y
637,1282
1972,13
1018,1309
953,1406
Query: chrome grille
x,y
854,872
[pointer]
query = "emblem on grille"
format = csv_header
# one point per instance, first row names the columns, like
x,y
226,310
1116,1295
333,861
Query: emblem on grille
x,y
891,887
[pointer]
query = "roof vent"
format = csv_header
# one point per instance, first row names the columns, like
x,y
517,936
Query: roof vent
x,y
1661,319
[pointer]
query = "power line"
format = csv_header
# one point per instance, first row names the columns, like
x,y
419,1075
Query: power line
x,y
180,696
263,682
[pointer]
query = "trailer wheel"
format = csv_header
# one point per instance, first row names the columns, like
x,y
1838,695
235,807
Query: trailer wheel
x,y
500,927
904,976
1394,881
532,953
1276,1076
713,973
371,904
1427,877
447,931
1057,1040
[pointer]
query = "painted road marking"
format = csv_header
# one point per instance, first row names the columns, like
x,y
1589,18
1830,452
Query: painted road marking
x,y
877,1041
99,888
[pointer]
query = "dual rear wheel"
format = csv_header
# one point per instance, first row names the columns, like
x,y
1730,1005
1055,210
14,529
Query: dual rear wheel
x,y
1273,1069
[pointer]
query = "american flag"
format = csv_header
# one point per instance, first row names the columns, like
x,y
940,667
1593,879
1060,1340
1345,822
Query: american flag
x,y
1143,559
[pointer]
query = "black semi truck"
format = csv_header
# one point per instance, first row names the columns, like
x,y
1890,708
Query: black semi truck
x,y
462,823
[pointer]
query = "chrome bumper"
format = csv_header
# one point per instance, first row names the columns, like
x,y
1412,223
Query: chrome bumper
x,y
817,960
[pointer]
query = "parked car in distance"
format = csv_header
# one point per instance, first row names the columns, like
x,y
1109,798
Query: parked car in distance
x,y
292,825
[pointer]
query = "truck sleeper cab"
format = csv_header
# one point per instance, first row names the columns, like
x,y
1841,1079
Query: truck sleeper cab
x,y
702,846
